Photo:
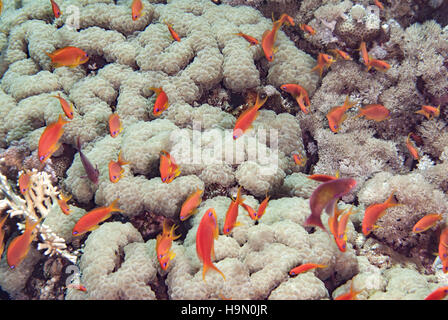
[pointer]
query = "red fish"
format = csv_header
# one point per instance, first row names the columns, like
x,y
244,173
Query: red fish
x,y
429,112
438,294
115,126
92,172
168,167
325,197
379,65
18,248
262,208
375,112
161,103
284,18
2,233
323,177
68,57
163,245
411,147
244,121
62,201
56,11
251,211
232,213
341,231
339,53
299,159
206,234
427,222
324,61
305,267
189,206
299,94
253,41
268,42
116,169
375,212
443,249
351,295
307,28
66,107
137,9
24,181
378,4
49,140
364,54
173,33
337,115
79,287
91,219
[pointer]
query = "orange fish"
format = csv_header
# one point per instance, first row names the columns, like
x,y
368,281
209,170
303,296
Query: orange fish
x,y
18,248
351,295
307,28
56,11
378,4
267,43
337,115
189,206
375,212
438,294
62,201
78,286
115,126
333,222
411,147
68,57
24,181
262,208
379,65
429,112
299,94
115,169
341,231
253,41
206,234
137,8
244,121
66,107
324,61
305,267
232,213
339,53
443,249
284,18
173,33
299,159
364,54
49,140
161,103
427,222
2,233
91,219
168,167
163,245
325,197
375,112
323,177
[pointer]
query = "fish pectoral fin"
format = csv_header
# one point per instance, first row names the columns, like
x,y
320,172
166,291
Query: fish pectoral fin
x,y
237,224
93,228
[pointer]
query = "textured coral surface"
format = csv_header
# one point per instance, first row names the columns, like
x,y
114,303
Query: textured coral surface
x,y
211,77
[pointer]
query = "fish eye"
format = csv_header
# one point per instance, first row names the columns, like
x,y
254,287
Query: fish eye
x,y
235,137
86,54
210,214
114,177
163,179
227,230
24,189
343,246
335,126
292,273
12,267
41,158
417,229
157,110
75,232
164,264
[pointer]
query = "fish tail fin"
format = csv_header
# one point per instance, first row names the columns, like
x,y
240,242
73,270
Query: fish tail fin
x,y
313,221
156,90
173,236
78,143
61,120
121,161
113,206
208,266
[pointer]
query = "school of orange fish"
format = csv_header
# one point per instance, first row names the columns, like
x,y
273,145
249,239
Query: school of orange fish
x,y
324,197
